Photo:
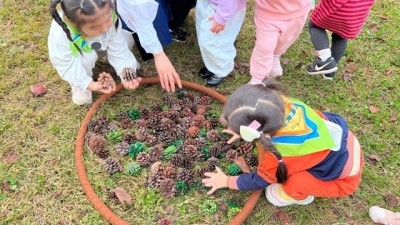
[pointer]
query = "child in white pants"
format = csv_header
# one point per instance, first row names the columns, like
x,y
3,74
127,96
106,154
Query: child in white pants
x,y
218,23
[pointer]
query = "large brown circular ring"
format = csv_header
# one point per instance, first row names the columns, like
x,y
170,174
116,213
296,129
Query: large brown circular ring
x,y
98,204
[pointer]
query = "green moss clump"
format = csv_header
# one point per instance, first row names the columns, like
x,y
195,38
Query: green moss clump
x,y
233,170
182,187
209,206
115,136
232,212
206,152
135,149
134,114
132,168
169,151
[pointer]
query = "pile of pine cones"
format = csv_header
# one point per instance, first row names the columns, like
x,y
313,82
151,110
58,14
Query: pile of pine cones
x,y
180,139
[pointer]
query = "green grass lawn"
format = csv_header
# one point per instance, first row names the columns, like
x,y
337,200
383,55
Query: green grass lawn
x,y
41,186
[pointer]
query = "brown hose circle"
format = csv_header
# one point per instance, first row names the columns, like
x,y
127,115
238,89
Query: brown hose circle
x,y
98,204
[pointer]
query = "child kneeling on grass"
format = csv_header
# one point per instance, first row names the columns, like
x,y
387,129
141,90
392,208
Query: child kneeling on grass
x,y
309,153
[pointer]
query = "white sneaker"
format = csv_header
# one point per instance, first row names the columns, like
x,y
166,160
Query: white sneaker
x,y
384,216
81,97
276,70
277,197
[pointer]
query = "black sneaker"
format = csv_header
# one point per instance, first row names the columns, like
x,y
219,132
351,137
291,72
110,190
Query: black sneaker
x,y
179,34
329,76
319,67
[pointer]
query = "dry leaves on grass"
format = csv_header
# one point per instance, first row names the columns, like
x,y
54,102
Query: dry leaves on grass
x,y
393,118
281,216
373,109
389,71
38,89
351,68
391,200
10,157
58,193
122,195
374,158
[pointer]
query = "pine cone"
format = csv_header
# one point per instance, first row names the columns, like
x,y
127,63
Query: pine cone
x,y
140,136
232,155
186,175
102,153
200,142
185,122
126,123
167,124
154,120
154,181
144,113
205,100
143,159
190,142
225,147
167,137
122,115
201,110
213,135
96,142
151,140
156,153
141,123
111,165
212,163
192,131
170,172
215,150
99,125
251,160
190,152
214,122
171,114
198,120
203,170
180,132
129,138
179,160
245,148
122,148
186,112
167,188
168,99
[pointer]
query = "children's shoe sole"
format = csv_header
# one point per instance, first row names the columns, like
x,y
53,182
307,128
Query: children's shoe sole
x,y
275,201
334,69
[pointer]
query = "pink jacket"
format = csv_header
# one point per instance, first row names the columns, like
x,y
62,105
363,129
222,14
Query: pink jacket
x,y
282,9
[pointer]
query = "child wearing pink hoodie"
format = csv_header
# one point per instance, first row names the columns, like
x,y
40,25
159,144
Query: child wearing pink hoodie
x,y
278,25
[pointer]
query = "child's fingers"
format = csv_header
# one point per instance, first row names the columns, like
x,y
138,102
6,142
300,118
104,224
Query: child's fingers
x,y
210,192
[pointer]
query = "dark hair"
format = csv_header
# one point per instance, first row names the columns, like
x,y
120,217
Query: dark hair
x,y
264,104
73,9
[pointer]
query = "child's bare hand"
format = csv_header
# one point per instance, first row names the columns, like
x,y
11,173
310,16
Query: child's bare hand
x,y
131,84
216,27
166,72
216,180
105,84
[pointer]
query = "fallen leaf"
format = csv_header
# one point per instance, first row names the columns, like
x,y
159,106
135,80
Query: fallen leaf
x,y
348,77
10,157
245,64
9,23
58,193
393,118
349,60
82,214
374,158
38,89
6,186
373,109
282,216
374,26
286,61
122,195
389,71
299,65
391,200
350,68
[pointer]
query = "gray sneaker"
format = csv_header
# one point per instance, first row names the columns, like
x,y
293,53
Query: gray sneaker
x,y
319,67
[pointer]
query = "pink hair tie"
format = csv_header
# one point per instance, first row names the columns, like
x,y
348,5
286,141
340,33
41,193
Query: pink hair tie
x,y
281,160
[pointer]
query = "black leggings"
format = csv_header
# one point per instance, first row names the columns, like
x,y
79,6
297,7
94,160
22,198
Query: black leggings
x,y
320,40
179,11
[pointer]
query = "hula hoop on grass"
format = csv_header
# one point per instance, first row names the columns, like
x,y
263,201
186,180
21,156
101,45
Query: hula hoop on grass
x,y
98,204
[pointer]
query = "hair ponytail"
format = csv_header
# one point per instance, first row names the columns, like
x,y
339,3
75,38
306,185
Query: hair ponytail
x,y
57,18
271,84
281,171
